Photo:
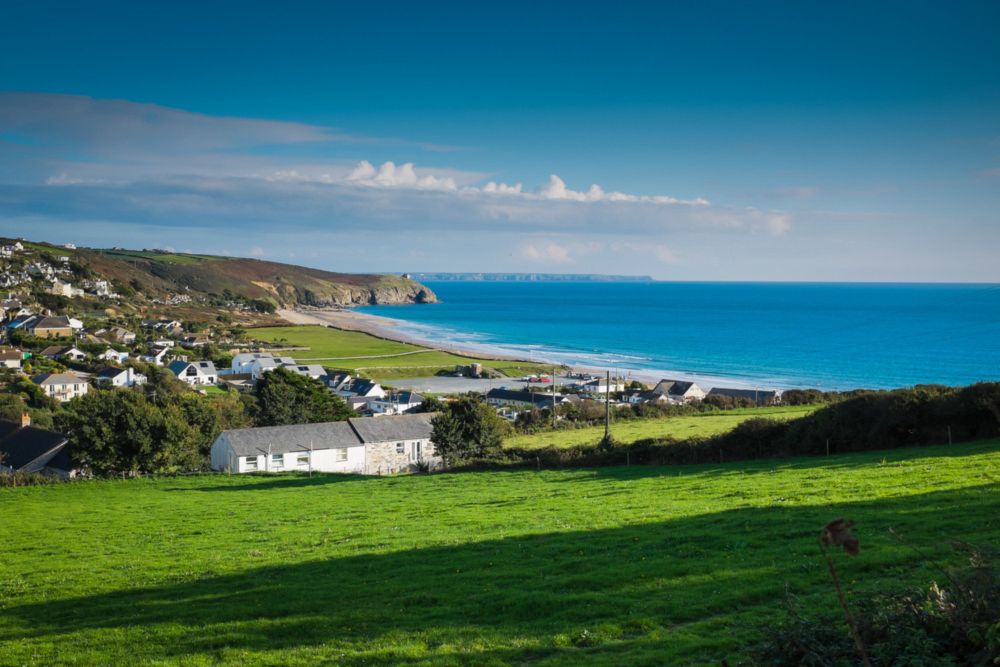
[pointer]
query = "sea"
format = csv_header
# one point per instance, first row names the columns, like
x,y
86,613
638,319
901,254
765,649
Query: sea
x,y
832,336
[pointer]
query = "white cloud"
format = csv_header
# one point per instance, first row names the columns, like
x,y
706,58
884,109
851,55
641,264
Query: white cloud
x,y
548,253
257,251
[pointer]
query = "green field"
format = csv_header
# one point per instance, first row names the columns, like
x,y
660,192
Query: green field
x,y
637,565
686,426
354,350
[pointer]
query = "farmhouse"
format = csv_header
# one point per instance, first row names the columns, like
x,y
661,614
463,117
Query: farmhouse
x,y
679,391
25,448
364,445
62,387
756,396
194,372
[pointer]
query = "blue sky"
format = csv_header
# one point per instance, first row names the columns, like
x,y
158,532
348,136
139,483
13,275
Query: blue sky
x,y
729,141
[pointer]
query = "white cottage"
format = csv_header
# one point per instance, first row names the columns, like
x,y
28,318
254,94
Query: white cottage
x,y
364,445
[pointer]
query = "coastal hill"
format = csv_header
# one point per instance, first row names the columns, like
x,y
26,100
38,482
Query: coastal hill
x,y
158,274
532,277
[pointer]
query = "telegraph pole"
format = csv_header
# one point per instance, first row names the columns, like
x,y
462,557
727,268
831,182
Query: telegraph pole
x,y
553,397
607,409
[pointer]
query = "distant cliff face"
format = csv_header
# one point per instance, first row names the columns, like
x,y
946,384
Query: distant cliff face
x,y
157,273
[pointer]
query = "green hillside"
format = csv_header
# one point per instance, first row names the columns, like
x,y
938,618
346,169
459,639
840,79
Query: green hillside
x,y
610,566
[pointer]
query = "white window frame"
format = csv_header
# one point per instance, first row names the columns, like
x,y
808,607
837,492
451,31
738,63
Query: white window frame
x,y
302,460
277,464
340,454
400,447
250,463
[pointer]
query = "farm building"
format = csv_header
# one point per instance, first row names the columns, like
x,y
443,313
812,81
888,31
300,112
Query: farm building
x,y
363,445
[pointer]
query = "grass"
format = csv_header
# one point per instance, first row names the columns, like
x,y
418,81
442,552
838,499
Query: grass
x,y
167,258
354,350
687,426
610,566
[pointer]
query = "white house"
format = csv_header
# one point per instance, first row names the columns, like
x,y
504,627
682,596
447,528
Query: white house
x,y
114,355
398,403
156,355
679,391
363,445
63,352
11,358
258,363
63,387
195,373
120,377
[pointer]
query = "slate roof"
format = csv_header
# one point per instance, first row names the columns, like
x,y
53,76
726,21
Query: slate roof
x,y
292,438
328,435
178,366
57,379
21,445
533,397
758,395
110,373
390,428
54,322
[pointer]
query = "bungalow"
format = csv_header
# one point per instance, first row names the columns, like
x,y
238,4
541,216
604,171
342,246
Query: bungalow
x,y
119,377
52,327
63,387
258,363
503,397
645,397
755,396
195,340
361,388
600,386
120,335
63,352
396,403
26,448
11,358
362,445
195,373
679,391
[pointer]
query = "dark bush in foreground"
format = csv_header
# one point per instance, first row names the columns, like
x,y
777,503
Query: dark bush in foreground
x,y
954,622
27,479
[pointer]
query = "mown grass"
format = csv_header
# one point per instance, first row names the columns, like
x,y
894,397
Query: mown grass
x,y
611,566
680,427
348,350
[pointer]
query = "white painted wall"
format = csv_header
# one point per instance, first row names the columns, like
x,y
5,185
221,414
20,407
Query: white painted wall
x,y
322,460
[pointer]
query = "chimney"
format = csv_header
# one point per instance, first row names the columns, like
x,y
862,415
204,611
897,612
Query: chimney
x,y
25,419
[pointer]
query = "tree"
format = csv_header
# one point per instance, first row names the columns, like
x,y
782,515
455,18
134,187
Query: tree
x,y
468,428
430,404
284,397
120,430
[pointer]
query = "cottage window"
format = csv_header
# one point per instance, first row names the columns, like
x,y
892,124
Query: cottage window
x,y
400,447
277,460
250,463
340,454
302,460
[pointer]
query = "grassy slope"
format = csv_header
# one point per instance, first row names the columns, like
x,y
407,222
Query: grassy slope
x,y
639,565
688,426
333,345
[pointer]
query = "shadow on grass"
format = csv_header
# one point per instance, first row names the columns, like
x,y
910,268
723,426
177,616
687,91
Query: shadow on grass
x,y
277,480
562,597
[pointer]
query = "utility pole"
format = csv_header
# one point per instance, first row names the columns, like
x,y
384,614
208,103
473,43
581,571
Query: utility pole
x,y
553,397
607,409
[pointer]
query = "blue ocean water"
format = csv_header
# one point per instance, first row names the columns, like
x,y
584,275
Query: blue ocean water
x,y
831,336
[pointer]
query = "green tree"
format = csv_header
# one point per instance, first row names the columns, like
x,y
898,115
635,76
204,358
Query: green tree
x,y
284,397
469,428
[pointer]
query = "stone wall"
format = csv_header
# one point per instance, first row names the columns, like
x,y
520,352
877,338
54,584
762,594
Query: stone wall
x,y
382,458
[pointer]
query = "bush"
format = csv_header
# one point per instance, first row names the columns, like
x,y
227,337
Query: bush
x,y
958,623
27,479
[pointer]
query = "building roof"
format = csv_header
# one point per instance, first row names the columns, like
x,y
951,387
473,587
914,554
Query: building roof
x,y
292,438
110,373
57,379
178,366
56,350
752,394
328,435
53,322
10,354
20,445
532,397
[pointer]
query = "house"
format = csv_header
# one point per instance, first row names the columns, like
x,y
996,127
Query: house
x,y
114,356
120,335
22,321
362,445
755,396
119,377
258,363
59,288
503,397
679,391
52,327
195,340
26,448
11,358
195,373
645,397
600,386
63,352
63,387
338,383
156,355
396,403
362,388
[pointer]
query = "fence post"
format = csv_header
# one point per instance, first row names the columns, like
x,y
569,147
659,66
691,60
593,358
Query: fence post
x,y
949,434
828,446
